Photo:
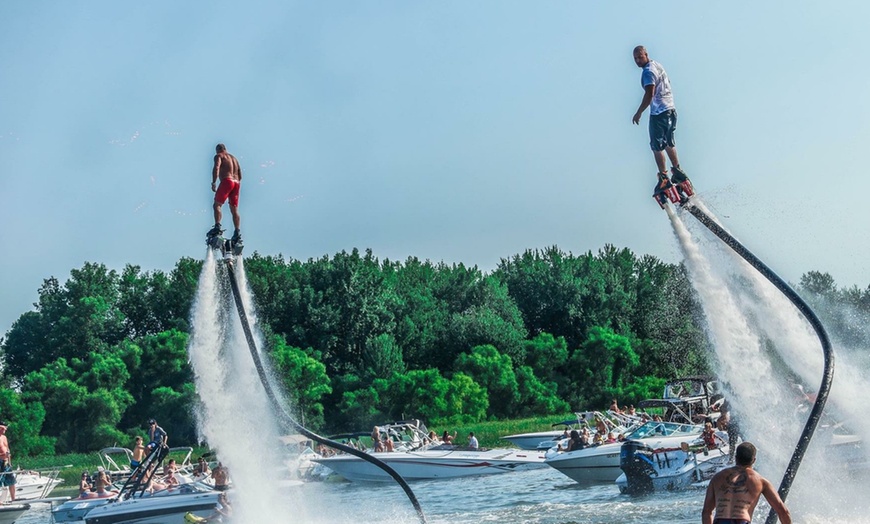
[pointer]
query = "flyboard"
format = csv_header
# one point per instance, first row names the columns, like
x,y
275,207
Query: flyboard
x,y
681,193
231,250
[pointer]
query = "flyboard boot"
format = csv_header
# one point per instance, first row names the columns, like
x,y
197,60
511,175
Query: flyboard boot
x,y
214,237
664,191
682,183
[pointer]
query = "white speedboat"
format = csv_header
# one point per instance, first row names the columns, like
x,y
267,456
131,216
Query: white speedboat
x,y
441,461
168,506
31,484
416,457
670,463
600,463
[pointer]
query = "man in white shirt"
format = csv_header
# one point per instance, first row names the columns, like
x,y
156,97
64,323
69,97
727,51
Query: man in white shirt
x,y
657,95
472,441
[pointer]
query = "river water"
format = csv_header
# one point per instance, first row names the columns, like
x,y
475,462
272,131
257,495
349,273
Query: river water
x,y
541,496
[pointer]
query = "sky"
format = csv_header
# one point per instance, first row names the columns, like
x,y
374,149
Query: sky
x,y
455,131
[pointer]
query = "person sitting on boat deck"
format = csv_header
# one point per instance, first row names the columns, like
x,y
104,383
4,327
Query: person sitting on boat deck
x,y
432,438
221,476
138,453
472,441
574,442
169,471
101,483
447,438
85,484
201,467
611,438
222,511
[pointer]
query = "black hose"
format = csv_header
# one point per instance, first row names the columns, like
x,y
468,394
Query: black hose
x,y
828,373
252,345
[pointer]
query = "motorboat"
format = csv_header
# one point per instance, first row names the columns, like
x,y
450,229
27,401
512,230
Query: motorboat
x,y
544,440
416,457
116,462
167,506
601,463
32,484
670,463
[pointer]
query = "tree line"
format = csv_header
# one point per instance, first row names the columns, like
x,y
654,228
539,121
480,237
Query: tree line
x,y
356,341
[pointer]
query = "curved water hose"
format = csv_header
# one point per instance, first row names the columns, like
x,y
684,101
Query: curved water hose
x,y
828,373
252,345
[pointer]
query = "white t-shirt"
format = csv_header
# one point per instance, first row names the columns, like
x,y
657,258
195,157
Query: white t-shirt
x,y
654,74
472,442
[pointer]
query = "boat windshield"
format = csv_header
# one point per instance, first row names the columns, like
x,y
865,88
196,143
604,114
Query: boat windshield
x,y
662,429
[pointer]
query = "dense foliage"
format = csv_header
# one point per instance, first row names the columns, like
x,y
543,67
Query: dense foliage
x,y
355,340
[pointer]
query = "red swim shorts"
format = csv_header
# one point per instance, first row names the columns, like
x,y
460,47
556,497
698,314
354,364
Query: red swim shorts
x,y
228,188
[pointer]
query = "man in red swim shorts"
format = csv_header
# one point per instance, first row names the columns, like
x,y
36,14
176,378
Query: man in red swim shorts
x,y
227,169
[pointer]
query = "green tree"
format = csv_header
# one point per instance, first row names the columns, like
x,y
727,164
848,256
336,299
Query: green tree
x,y
494,371
304,379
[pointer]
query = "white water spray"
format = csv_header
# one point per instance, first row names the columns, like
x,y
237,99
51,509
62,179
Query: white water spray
x,y
820,487
236,418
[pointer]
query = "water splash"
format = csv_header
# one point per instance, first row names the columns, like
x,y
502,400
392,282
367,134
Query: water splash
x,y
235,416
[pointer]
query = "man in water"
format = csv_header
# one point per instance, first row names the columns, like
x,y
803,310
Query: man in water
x,y
227,169
734,492
658,97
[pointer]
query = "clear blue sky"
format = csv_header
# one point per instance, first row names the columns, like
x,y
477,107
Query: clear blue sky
x,y
456,131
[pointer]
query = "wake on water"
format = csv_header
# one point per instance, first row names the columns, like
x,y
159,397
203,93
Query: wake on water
x,y
761,342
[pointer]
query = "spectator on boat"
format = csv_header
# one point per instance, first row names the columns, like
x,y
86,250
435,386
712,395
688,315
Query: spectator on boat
x,y
101,485
631,410
600,426
221,476
387,443
432,438
709,436
7,478
575,442
611,438
734,492
472,441
614,407
201,467
447,438
376,439
156,435
222,511
85,484
138,453
586,437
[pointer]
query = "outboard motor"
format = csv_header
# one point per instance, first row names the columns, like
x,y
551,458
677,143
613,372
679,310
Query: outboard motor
x,y
635,460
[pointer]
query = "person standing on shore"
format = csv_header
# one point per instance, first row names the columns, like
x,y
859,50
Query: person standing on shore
x,y
734,492
7,478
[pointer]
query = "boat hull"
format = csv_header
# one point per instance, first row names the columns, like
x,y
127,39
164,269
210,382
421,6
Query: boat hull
x,y
427,465
591,464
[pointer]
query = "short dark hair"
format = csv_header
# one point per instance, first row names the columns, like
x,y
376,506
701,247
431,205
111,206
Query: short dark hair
x,y
745,454
220,147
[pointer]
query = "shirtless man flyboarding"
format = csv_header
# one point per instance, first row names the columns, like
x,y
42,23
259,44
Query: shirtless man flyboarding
x,y
734,492
227,169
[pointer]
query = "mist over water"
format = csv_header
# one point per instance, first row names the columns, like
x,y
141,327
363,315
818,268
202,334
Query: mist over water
x,y
235,416
762,346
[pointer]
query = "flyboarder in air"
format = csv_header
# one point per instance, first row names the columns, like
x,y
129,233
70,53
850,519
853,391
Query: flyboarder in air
x,y
658,97
227,169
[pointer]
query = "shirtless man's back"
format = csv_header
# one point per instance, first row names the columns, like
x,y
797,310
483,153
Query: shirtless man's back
x,y
734,492
229,172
